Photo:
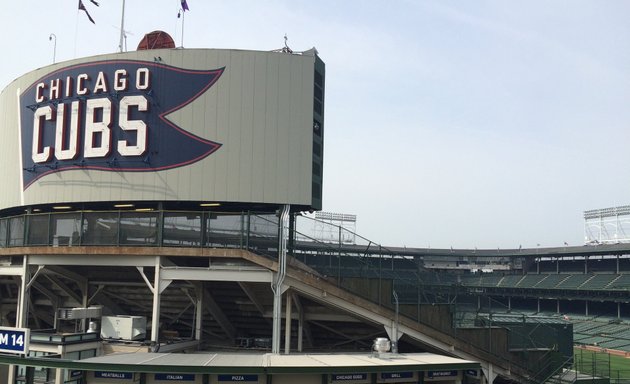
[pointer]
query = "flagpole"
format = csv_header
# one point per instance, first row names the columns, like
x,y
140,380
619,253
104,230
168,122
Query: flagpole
x,y
183,19
122,27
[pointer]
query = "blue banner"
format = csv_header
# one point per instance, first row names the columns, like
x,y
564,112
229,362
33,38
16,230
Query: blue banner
x,y
174,377
349,377
237,378
113,375
434,374
396,375
111,116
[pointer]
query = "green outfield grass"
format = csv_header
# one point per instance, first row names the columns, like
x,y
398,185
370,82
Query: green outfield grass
x,y
602,364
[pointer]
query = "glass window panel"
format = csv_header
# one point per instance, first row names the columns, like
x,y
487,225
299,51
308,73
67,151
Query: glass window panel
x,y
88,353
65,228
263,233
72,355
224,230
3,233
16,231
138,228
182,229
100,228
38,229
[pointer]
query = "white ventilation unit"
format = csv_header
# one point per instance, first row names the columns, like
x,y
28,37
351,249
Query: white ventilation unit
x,y
124,327
79,313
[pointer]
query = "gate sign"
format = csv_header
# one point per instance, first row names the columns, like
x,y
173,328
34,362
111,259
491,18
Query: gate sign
x,y
14,340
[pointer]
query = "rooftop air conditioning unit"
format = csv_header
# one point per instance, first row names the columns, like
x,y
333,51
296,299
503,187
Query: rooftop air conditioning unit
x,y
124,327
79,313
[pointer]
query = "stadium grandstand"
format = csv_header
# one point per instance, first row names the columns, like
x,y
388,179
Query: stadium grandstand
x,y
585,288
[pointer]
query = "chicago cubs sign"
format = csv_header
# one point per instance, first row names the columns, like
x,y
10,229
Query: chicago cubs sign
x,y
111,116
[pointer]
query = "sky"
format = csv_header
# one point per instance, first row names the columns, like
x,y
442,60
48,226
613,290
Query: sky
x,y
488,124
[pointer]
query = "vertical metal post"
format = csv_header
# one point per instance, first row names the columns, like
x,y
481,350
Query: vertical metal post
x,y
287,325
25,228
380,273
202,227
248,229
53,37
278,282
199,312
242,229
183,19
339,260
122,27
81,218
119,228
160,225
395,330
418,301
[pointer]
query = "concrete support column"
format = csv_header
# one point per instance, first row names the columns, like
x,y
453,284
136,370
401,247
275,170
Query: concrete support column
x,y
59,375
84,302
287,325
22,305
277,308
557,305
21,320
300,337
489,374
617,269
155,316
586,265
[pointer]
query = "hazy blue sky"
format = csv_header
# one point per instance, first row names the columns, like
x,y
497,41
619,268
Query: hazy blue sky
x,y
448,123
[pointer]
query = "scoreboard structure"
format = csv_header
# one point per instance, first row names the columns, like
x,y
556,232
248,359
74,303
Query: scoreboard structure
x,y
203,126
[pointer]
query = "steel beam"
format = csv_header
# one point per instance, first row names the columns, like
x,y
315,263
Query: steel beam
x,y
109,261
215,310
250,275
